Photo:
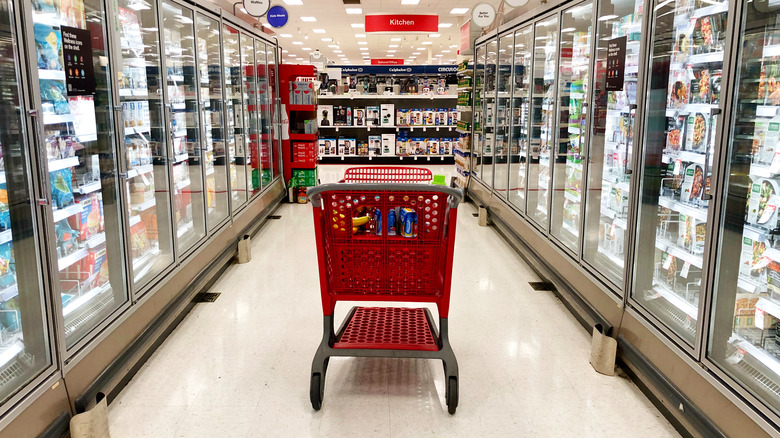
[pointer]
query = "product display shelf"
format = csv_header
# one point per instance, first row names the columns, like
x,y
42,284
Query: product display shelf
x,y
466,123
299,99
326,97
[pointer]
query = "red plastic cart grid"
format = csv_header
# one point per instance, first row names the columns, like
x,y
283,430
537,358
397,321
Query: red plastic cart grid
x,y
387,174
382,267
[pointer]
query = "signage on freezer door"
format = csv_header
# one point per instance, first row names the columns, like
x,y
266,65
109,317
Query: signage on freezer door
x,y
402,23
77,54
616,64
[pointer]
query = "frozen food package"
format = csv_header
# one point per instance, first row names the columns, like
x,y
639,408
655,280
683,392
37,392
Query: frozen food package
x,y
700,84
697,131
48,45
762,201
693,184
678,89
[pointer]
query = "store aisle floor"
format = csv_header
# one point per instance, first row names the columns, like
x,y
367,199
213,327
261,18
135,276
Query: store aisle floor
x,y
240,366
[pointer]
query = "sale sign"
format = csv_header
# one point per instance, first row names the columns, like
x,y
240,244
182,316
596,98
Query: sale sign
x,y
392,23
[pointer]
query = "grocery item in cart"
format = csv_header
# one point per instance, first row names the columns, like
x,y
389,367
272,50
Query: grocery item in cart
x,y
697,130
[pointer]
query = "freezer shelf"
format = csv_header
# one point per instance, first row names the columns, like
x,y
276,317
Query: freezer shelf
x,y
700,213
676,251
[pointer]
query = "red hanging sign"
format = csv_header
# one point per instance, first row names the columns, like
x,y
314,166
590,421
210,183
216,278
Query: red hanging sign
x,y
402,23
389,61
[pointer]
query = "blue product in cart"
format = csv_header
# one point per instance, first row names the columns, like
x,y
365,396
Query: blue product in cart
x,y
391,222
408,222
378,220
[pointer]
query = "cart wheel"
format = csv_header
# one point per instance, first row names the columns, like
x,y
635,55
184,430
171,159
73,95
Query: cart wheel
x,y
315,392
452,395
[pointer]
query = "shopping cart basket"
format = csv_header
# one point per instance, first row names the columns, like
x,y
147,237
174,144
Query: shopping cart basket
x,y
387,174
369,259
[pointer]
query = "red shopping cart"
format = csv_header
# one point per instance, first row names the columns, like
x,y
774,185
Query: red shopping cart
x,y
387,174
385,242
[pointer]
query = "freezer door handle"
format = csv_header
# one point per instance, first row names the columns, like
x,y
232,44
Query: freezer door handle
x,y
43,196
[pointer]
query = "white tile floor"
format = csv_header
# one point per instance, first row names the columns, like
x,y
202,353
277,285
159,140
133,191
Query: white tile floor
x,y
240,366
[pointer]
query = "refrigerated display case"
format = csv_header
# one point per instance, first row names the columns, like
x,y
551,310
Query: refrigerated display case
x,y
251,110
72,94
490,111
25,351
519,113
479,125
234,115
274,157
184,85
614,105
212,104
503,115
146,138
681,123
260,156
542,120
571,141
744,340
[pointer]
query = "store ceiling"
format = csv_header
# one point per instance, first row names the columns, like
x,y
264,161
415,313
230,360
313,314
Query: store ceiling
x,y
299,38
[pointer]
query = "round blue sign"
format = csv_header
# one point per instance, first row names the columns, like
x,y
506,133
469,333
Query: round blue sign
x,y
277,16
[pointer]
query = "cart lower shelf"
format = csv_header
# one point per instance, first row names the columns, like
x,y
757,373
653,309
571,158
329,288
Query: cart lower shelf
x,y
391,328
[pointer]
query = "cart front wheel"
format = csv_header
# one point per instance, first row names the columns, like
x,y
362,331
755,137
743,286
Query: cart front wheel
x,y
452,395
315,392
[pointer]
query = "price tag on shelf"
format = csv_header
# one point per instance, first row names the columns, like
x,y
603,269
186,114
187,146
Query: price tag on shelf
x,y
668,261
677,167
759,318
684,272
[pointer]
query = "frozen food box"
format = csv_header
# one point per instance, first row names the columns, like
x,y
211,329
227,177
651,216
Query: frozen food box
x,y
325,115
700,87
771,140
691,234
697,132
693,184
679,94
753,264
763,202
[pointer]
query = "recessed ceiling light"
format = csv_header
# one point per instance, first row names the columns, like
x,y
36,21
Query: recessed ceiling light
x,y
607,17
327,40
433,35
393,45
306,48
337,51
357,25
363,49
293,2
360,35
416,53
459,11
297,43
446,51
318,30
412,57
410,2
354,11
333,46
362,43
391,51
308,19
285,35
285,50
454,46
390,55
443,25
439,55
427,43
396,39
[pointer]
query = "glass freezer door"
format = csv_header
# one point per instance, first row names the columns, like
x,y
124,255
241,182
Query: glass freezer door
x,y
212,106
185,148
542,120
234,115
571,143
489,125
519,112
679,140
73,92
612,136
25,349
251,110
274,156
503,113
261,169
145,140
479,128
745,341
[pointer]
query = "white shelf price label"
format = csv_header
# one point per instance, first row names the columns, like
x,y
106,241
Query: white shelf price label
x,y
759,320
684,272
774,168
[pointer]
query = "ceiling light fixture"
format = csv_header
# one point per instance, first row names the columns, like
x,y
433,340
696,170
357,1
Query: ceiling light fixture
x,y
337,51
327,40
357,25
360,35
362,43
309,19
363,49
293,2
308,49
391,51
427,43
285,35
453,46
459,11
297,43
410,2
445,51
444,25
318,30
434,35
393,45
354,11
396,39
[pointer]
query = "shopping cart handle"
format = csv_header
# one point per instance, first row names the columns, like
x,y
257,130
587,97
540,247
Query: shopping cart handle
x,y
314,193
